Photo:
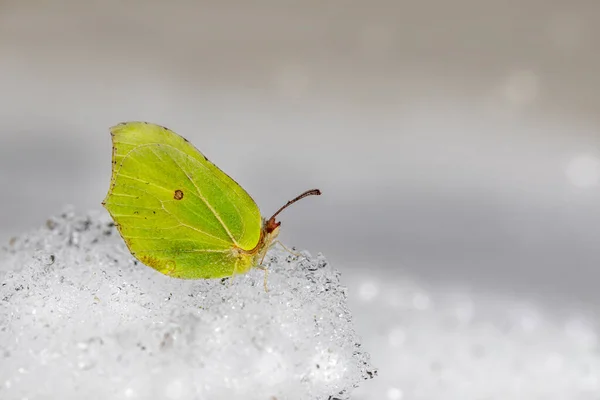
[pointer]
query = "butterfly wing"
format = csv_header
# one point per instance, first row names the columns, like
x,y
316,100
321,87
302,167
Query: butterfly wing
x,y
177,211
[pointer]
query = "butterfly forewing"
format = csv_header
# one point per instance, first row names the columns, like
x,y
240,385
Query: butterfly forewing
x,y
177,212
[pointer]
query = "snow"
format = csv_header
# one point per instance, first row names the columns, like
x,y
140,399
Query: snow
x,y
80,318
447,342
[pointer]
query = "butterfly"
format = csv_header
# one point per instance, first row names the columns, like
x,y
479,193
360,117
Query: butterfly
x,y
178,212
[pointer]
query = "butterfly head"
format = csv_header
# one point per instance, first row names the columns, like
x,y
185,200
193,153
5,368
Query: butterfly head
x,y
270,228
271,225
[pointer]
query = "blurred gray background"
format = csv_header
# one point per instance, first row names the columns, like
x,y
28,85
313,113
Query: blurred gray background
x,y
455,142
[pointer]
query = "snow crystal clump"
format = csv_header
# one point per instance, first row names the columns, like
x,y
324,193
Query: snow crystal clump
x,y
81,319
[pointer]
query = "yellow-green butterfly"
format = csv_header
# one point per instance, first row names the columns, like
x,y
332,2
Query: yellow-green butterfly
x,y
180,214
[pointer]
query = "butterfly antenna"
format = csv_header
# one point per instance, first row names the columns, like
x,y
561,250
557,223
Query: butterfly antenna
x,y
312,192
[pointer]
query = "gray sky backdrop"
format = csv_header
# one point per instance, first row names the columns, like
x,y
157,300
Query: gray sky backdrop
x,y
454,141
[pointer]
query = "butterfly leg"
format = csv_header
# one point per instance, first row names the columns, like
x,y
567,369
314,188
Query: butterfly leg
x,y
286,249
263,258
233,274
266,274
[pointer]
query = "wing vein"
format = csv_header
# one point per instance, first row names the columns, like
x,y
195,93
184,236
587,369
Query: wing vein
x,y
174,217
185,251
225,183
210,207
122,195
133,178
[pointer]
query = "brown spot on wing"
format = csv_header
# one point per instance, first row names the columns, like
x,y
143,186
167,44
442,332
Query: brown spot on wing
x,y
166,267
151,261
178,194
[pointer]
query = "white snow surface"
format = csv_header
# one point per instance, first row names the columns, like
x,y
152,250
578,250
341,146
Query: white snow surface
x,y
449,343
81,319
